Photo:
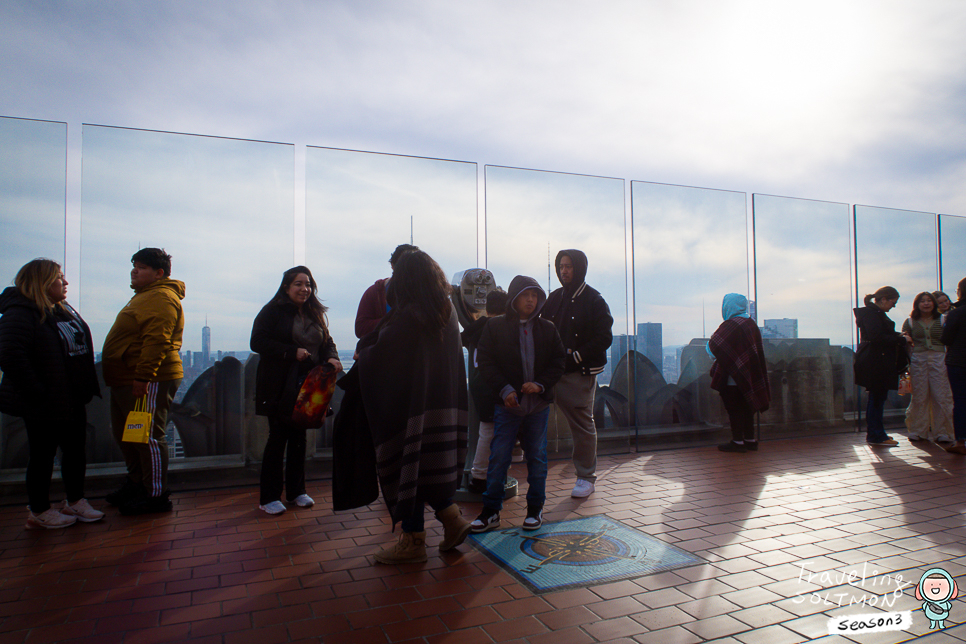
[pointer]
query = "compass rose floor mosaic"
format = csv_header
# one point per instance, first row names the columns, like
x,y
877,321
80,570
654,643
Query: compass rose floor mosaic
x,y
579,552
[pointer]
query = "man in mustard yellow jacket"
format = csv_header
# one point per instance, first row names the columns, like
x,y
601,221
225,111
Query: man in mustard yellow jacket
x,y
141,359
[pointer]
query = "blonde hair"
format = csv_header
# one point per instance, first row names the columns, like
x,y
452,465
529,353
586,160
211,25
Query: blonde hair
x,y
33,281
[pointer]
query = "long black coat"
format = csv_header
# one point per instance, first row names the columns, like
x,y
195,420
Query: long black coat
x,y
279,374
413,386
881,355
39,377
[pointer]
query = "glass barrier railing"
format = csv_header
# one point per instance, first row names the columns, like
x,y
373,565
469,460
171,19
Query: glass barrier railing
x,y
896,248
952,236
33,179
803,299
359,206
223,209
690,249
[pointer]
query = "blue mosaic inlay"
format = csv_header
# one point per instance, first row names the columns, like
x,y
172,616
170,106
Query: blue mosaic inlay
x,y
579,552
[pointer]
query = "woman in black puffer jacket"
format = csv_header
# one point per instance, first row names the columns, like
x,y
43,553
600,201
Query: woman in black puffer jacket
x,y
879,359
47,359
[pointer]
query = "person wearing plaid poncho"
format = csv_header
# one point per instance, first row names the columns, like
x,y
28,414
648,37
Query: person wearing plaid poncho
x,y
739,372
413,384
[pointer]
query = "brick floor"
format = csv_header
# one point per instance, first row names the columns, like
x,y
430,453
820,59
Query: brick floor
x,y
779,530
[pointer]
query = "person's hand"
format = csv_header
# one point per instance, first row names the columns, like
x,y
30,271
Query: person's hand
x,y
531,388
301,354
139,389
511,400
335,363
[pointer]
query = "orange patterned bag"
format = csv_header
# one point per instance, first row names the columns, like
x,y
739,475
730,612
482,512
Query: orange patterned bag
x,y
314,396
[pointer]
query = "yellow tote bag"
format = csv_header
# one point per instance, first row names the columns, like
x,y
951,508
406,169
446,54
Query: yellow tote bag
x,y
137,427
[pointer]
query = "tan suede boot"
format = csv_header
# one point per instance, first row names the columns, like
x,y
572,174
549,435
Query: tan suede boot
x,y
411,548
455,527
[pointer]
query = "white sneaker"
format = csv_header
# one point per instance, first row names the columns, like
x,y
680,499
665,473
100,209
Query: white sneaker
x,y
915,437
582,488
304,501
275,507
488,520
49,518
82,510
942,438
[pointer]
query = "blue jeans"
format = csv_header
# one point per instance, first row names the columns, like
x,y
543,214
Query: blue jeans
x,y
875,430
415,523
957,382
532,431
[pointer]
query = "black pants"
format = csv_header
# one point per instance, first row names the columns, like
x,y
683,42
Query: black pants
x,y
44,436
280,433
740,413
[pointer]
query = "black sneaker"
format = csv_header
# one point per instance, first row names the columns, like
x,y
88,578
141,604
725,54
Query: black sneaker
x,y
145,504
487,520
127,492
732,446
534,518
476,486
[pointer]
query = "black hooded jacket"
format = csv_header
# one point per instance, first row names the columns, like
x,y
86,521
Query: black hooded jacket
x,y
954,335
582,318
47,367
499,349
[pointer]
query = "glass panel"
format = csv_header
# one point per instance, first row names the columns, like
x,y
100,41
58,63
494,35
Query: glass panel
x,y
804,306
359,206
33,181
530,216
690,249
953,237
223,209
895,248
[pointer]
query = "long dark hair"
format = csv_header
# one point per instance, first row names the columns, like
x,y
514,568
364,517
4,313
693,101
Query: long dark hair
x,y
313,307
884,293
419,287
916,313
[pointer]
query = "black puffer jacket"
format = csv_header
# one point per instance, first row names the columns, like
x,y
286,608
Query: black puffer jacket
x,y
881,355
40,376
954,335
279,374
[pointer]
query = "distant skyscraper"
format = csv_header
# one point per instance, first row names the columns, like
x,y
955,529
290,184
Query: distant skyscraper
x,y
618,347
753,309
780,329
650,342
206,342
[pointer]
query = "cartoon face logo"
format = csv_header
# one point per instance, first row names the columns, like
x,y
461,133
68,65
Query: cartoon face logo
x,y
936,590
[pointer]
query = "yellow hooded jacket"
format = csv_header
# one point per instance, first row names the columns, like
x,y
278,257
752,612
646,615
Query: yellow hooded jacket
x,y
145,340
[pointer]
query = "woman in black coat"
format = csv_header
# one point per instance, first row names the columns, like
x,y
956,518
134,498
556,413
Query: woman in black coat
x,y
880,358
47,359
291,336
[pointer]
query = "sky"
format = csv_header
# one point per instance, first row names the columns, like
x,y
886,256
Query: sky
x,y
849,102
861,102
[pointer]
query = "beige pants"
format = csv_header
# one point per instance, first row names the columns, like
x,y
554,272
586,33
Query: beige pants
x,y
930,414
574,396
